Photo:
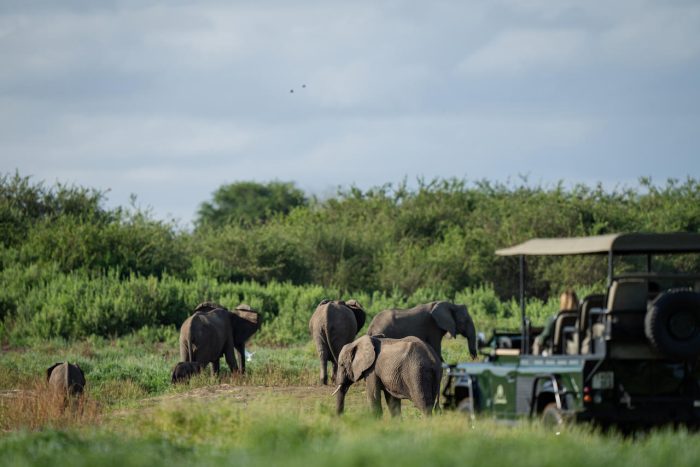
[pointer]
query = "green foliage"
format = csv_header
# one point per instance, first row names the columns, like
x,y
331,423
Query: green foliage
x,y
45,303
249,203
23,204
71,268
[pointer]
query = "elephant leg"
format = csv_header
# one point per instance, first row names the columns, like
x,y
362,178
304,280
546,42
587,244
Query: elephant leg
x,y
394,404
230,356
323,369
215,367
240,349
335,370
424,406
424,398
374,394
323,375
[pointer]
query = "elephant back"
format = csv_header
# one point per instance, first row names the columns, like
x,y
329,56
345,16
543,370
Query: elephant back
x,y
66,377
341,319
396,324
408,363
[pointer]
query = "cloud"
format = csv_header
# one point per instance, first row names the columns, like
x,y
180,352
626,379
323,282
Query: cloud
x,y
170,100
524,50
655,36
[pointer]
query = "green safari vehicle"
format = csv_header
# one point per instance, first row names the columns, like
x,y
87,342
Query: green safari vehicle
x,y
629,357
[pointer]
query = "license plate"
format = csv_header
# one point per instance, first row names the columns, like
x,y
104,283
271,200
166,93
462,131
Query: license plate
x,y
603,380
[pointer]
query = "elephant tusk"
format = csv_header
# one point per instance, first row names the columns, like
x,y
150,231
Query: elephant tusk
x,y
336,390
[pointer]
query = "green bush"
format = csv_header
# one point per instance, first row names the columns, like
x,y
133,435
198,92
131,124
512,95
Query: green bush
x,y
70,267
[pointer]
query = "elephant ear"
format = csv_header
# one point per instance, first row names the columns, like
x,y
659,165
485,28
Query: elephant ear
x,y
358,311
82,373
442,314
73,368
50,369
363,358
245,324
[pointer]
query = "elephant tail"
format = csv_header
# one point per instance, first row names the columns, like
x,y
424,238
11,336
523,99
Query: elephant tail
x,y
436,388
186,356
326,338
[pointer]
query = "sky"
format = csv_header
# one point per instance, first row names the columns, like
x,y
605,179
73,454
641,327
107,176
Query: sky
x,y
171,100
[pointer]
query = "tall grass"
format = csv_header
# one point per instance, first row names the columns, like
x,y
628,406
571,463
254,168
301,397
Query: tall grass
x,y
284,429
41,407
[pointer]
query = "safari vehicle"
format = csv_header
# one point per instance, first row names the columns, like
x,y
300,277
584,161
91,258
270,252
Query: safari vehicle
x,y
628,357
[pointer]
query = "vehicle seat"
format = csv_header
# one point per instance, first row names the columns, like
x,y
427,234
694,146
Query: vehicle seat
x,y
627,306
628,294
586,320
565,319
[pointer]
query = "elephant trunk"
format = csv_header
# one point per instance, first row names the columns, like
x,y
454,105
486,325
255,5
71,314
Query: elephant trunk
x,y
470,334
340,393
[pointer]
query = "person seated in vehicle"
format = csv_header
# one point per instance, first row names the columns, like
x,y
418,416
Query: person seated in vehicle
x,y
542,345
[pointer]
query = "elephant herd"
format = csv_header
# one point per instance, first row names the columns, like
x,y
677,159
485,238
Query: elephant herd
x,y
212,332
209,333
400,356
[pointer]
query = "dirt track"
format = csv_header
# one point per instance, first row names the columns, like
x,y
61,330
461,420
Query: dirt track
x,y
244,394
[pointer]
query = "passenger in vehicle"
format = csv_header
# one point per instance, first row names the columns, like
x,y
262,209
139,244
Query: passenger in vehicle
x,y
542,345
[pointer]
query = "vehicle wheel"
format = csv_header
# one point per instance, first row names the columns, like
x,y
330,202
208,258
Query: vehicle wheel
x,y
672,323
552,417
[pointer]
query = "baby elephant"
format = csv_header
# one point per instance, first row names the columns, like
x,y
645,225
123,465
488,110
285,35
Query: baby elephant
x,y
406,368
66,378
184,371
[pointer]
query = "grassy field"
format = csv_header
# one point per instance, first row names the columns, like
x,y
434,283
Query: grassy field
x,y
276,415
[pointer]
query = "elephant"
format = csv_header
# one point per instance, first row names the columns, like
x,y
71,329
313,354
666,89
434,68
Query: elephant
x,y
429,322
66,379
334,324
184,371
406,368
213,331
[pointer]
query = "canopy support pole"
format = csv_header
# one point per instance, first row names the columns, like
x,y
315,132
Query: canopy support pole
x,y
525,346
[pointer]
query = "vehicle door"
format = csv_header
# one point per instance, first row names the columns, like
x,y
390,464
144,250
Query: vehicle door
x,y
503,383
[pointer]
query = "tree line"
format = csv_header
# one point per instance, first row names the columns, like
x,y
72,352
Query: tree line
x,y
442,234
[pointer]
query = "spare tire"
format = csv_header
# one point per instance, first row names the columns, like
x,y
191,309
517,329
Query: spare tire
x,y
672,323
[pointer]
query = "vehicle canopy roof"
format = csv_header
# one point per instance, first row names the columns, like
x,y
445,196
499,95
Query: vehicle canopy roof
x,y
619,243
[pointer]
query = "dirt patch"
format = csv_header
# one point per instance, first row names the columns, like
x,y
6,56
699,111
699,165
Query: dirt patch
x,y
247,393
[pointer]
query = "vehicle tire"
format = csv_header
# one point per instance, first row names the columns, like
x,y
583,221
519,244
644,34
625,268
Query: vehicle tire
x,y
672,323
552,417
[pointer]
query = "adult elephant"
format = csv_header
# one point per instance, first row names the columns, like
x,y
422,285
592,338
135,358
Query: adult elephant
x,y
334,324
429,322
66,378
213,331
406,368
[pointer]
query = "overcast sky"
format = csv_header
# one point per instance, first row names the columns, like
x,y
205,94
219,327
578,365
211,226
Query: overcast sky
x,y
170,100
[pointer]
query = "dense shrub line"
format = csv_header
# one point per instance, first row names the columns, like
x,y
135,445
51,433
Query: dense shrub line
x,y
440,235
49,303
71,267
